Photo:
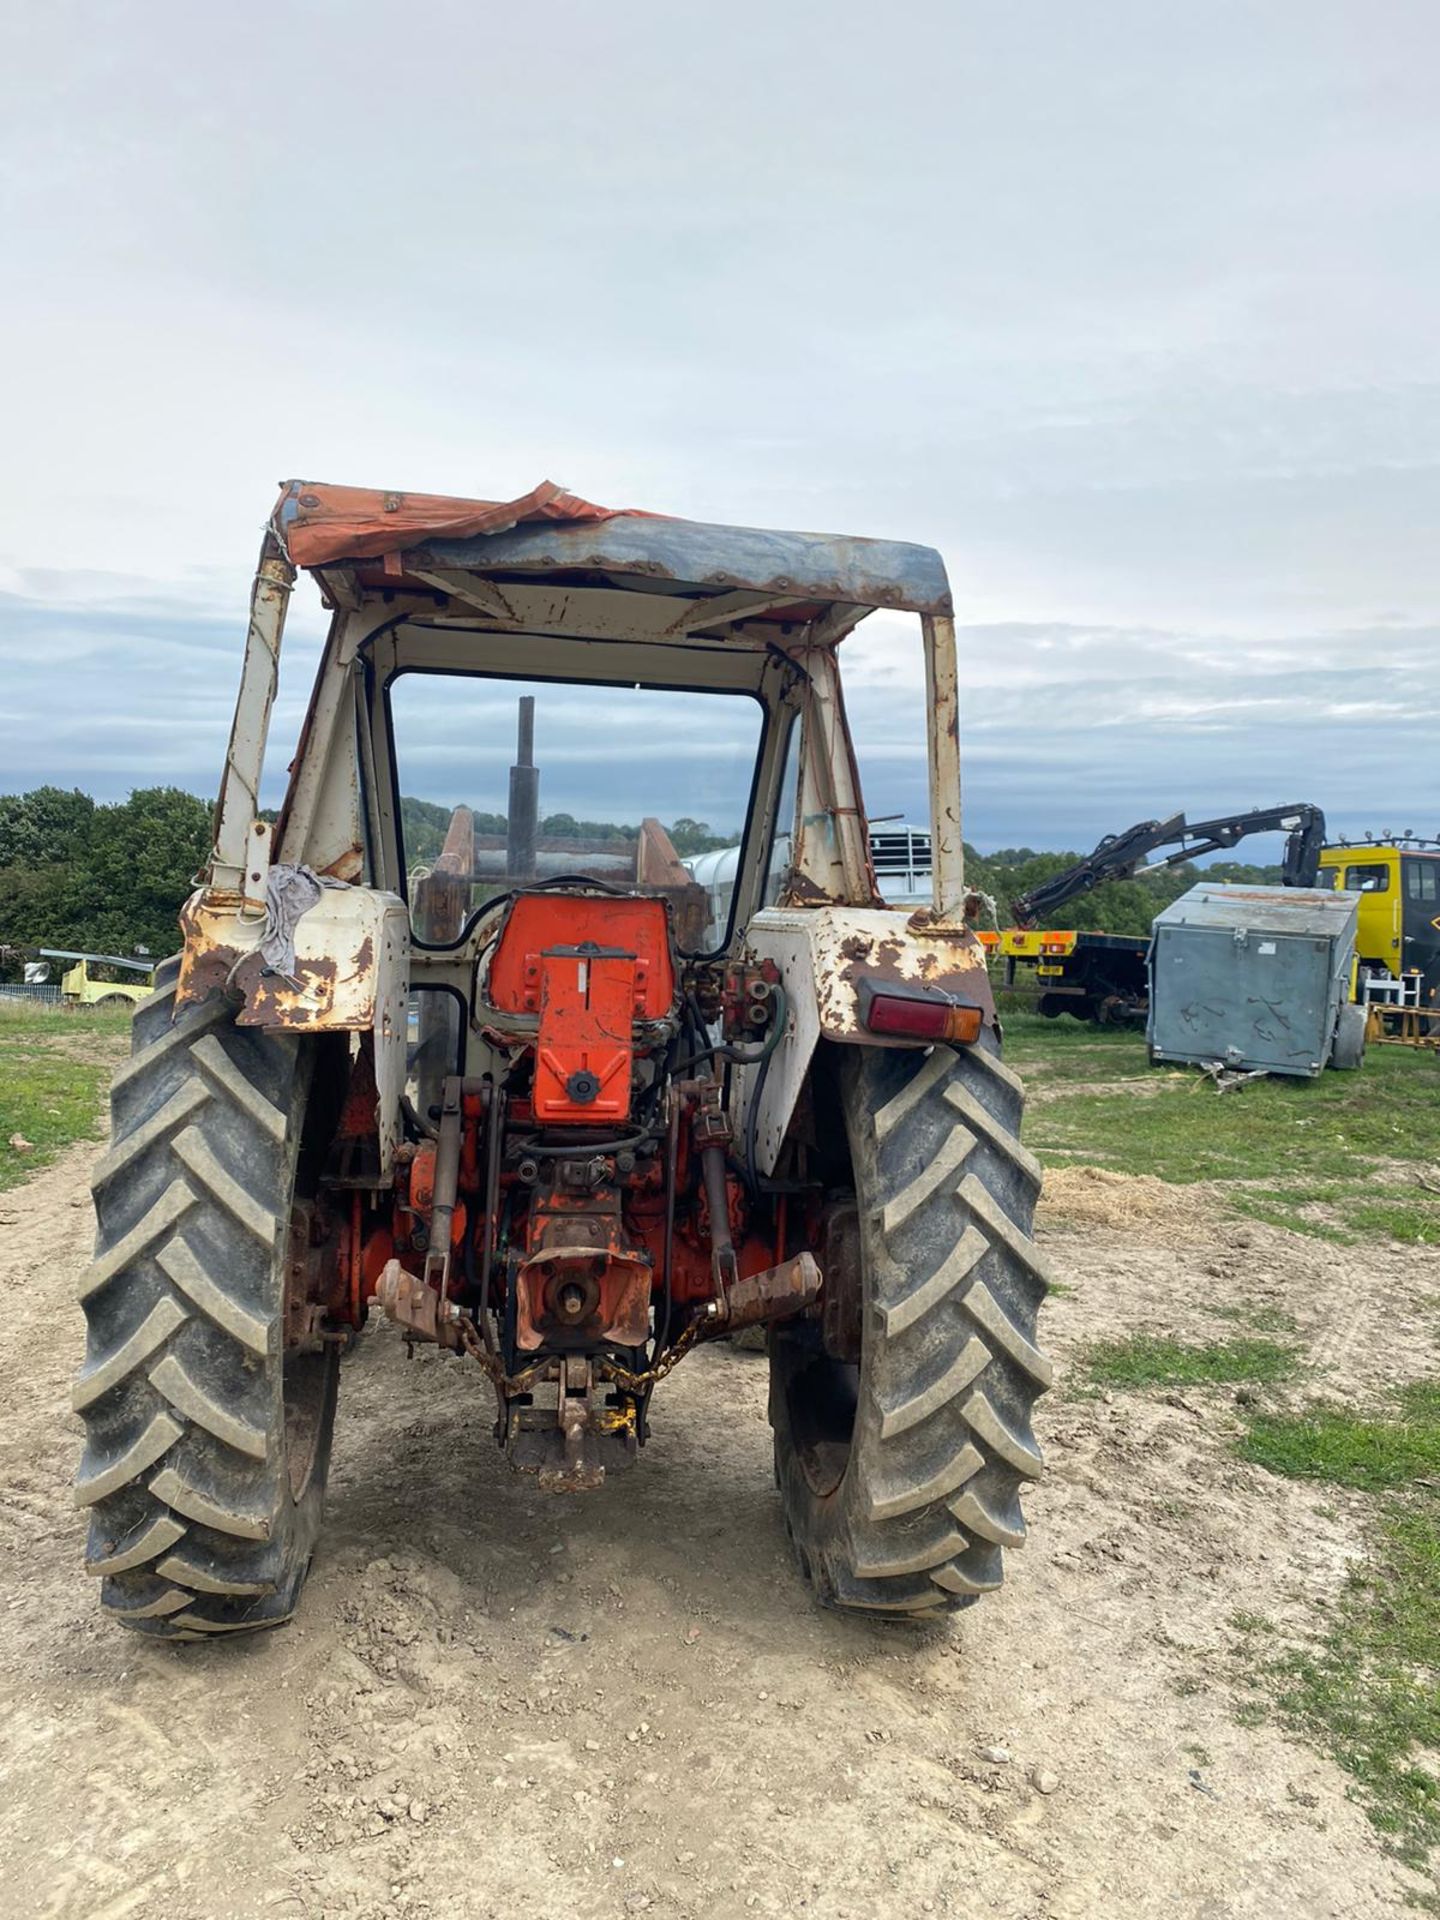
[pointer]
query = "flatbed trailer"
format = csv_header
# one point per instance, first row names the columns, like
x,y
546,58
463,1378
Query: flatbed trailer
x,y
1103,976
1094,976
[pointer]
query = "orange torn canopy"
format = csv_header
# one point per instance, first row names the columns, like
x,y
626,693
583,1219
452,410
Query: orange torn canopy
x,y
317,523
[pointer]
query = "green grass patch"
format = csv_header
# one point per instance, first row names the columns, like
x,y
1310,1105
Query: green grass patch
x,y
1388,1215
1067,1049
1368,1452
1339,1158
1182,1132
54,1068
1367,1689
1260,1319
1345,1212
1281,1209
1149,1360
1243,1621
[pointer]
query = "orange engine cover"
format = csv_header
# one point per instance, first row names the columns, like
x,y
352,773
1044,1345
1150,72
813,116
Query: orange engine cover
x,y
589,967
587,1027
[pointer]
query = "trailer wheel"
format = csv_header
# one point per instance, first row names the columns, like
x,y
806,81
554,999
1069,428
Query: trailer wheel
x,y
1348,1051
901,1476
206,1442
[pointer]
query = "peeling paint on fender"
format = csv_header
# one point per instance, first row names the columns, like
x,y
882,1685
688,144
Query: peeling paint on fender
x,y
823,954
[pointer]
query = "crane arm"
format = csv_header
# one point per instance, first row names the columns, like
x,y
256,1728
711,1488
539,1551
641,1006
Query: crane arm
x,y
1121,855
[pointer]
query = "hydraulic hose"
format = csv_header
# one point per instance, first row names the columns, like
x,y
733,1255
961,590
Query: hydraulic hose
x,y
743,1056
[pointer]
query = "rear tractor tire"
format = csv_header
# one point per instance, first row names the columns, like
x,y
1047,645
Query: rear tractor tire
x,y
206,1443
900,1475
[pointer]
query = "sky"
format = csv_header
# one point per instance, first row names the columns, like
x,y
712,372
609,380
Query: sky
x,y
1132,310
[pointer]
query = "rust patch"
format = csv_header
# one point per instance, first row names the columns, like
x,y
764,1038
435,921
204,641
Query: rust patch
x,y
272,1001
204,970
925,926
801,891
339,964
958,980
917,955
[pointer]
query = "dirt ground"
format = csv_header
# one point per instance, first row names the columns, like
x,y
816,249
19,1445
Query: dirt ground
x,y
495,1704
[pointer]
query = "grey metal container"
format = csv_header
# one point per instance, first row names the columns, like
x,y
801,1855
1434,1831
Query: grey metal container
x,y
1255,977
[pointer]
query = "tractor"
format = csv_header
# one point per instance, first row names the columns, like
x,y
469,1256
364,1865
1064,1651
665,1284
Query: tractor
x,y
516,1091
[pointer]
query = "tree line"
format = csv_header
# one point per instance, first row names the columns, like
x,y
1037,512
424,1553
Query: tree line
x,y
99,878
423,826
111,878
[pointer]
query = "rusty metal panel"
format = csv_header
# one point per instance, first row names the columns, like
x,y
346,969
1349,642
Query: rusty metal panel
x,y
823,954
350,949
351,975
340,945
812,566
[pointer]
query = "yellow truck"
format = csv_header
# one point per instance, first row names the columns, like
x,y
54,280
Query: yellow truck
x,y
1398,933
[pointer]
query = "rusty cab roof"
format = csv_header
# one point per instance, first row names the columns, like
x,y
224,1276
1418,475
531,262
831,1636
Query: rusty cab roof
x,y
359,541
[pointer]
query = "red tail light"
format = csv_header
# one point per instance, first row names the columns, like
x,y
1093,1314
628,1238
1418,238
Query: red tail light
x,y
904,1012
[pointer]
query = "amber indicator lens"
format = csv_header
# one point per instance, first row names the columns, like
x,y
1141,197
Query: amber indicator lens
x,y
912,1013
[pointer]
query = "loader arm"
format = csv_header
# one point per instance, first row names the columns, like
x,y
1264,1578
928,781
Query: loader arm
x,y
1120,856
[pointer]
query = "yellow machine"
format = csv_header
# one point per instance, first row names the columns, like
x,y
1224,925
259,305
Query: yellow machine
x,y
1398,937
98,979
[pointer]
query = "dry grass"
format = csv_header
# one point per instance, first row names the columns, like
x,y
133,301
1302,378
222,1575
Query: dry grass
x,y
1084,1196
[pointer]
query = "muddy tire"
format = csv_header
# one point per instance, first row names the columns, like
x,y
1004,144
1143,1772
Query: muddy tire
x,y
901,1476
206,1448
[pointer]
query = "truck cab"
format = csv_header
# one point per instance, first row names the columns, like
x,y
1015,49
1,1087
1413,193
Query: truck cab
x,y
1398,882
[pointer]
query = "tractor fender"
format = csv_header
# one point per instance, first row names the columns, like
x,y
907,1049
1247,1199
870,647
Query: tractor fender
x,y
352,969
823,953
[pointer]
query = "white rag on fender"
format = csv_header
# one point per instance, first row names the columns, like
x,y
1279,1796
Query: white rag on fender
x,y
289,893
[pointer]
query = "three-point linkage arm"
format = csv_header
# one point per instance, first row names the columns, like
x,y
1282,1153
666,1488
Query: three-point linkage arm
x,y
1120,855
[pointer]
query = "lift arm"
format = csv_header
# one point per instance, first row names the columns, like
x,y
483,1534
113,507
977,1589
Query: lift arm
x,y
1121,855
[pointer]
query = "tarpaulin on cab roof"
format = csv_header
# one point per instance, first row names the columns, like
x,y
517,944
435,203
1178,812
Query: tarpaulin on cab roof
x,y
317,523
548,531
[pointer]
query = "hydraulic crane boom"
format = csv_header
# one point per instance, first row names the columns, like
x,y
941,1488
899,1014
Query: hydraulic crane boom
x,y
1121,855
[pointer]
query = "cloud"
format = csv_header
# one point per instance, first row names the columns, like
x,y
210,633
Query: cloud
x,y
1140,327
1068,732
